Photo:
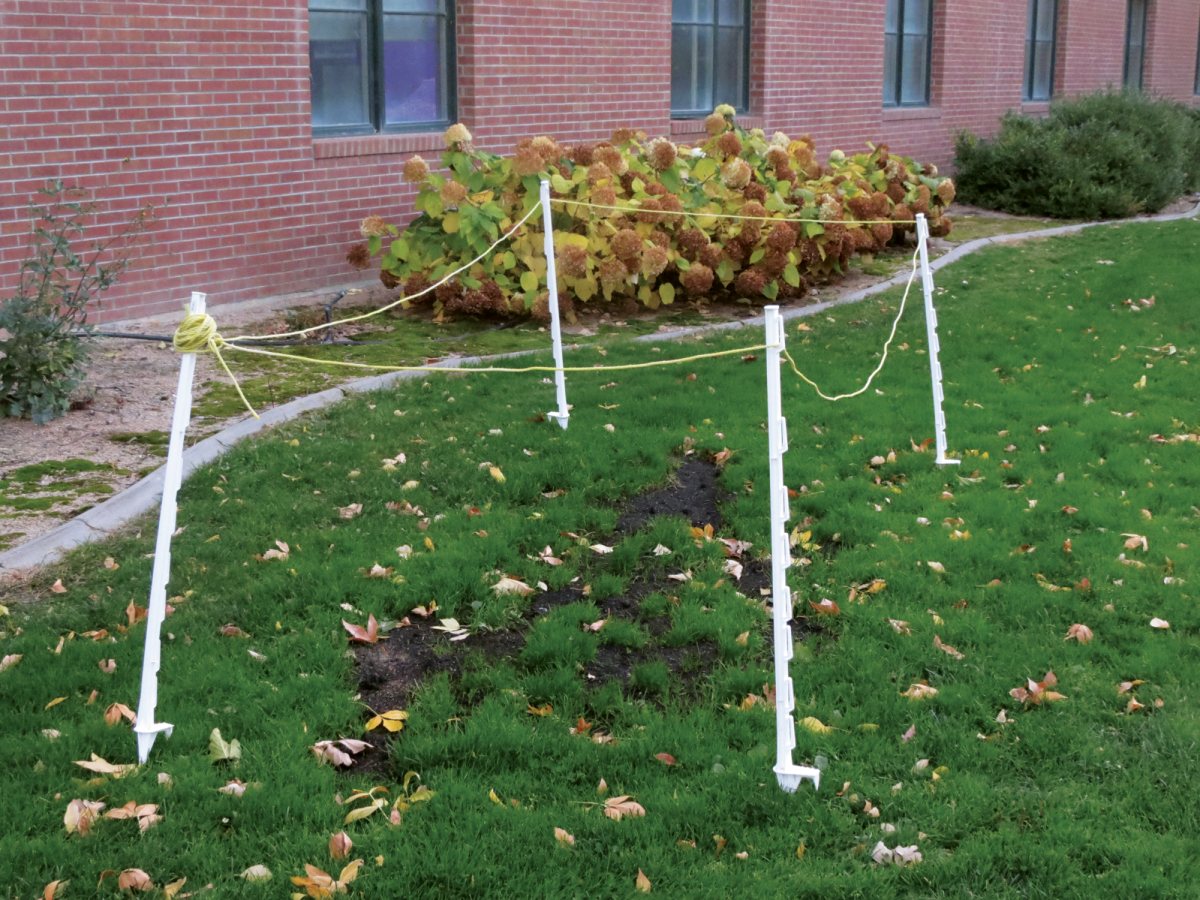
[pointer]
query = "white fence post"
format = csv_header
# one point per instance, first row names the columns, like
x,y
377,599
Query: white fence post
x,y
146,728
560,378
935,367
788,774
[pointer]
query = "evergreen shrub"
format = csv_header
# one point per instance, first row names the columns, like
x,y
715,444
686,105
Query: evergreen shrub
x,y
1111,154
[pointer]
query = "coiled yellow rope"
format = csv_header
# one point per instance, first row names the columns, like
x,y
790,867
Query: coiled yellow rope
x,y
197,333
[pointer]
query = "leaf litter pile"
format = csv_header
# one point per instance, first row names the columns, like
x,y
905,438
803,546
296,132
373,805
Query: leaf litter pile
x,y
428,642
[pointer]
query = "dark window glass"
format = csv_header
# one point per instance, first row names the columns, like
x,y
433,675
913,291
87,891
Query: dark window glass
x,y
1135,43
710,55
907,52
1196,89
381,65
1040,30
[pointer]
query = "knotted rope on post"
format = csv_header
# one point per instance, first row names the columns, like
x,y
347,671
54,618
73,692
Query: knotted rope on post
x,y
197,333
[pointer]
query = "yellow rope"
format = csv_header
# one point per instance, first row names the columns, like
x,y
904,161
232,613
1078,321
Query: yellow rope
x,y
393,305
879,368
645,365
197,333
700,215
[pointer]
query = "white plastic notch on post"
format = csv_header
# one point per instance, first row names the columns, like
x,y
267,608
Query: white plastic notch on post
x,y
788,774
935,367
146,728
560,378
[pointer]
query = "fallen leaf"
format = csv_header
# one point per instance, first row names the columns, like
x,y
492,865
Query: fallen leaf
x,y
116,712
560,835
581,727
602,549
507,585
909,734
544,710
816,726
81,815
340,845
937,567
103,767
665,757
660,550
134,880
378,571
1136,540
1159,623
10,660
220,751
900,626
642,883
51,889
495,472
1081,633
1037,691
349,512
919,691
57,587
55,702
825,608
338,755
135,613
743,639
393,720
946,648
321,884
617,807
368,635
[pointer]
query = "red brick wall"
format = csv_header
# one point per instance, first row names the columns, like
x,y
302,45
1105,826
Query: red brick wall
x,y
208,105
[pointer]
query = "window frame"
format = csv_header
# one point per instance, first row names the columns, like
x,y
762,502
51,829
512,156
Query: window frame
x,y
376,96
1031,45
1144,5
743,104
1196,86
895,101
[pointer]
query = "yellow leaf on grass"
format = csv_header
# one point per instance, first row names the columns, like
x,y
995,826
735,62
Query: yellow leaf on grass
x,y
562,837
55,702
355,814
643,883
816,726
392,720
495,470
492,796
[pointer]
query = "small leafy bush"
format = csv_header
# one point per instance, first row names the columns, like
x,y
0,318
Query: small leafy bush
x,y
44,325
651,232
1107,155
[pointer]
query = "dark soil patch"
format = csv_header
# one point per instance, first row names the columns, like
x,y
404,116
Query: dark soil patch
x,y
694,495
389,671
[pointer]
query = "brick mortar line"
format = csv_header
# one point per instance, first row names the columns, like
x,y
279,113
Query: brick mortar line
x,y
103,519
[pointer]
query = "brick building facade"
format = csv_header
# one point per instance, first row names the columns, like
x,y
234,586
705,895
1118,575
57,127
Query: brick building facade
x,y
211,105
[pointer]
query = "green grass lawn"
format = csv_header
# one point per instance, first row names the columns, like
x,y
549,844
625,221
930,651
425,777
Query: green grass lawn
x,y
1046,405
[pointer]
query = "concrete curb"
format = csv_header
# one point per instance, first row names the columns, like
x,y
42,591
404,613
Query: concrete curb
x,y
99,521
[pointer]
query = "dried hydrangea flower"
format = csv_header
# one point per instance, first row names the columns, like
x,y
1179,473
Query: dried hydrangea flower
x,y
779,139
607,197
373,226
416,170
547,148
715,124
598,172
623,135
729,144
777,156
359,256
453,193
613,274
661,153
626,244
527,162
456,134
698,279
613,158
654,261
736,173
750,283
725,111
572,261
946,192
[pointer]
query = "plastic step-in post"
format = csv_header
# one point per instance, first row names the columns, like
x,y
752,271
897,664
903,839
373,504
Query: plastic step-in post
x,y
787,773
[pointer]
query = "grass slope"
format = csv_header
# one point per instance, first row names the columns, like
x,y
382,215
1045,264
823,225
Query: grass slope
x,y
1072,799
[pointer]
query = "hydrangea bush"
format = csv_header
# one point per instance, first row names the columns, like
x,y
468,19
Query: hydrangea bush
x,y
640,220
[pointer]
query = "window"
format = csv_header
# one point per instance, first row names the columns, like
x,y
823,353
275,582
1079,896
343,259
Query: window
x,y
907,45
710,56
1135,43
381,65
1040,28
1196,89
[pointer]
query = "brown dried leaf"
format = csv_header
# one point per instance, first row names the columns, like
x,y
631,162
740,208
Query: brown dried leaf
x,y
340,844
946,648
1081,633
563,838
368,635
617,807
642,883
